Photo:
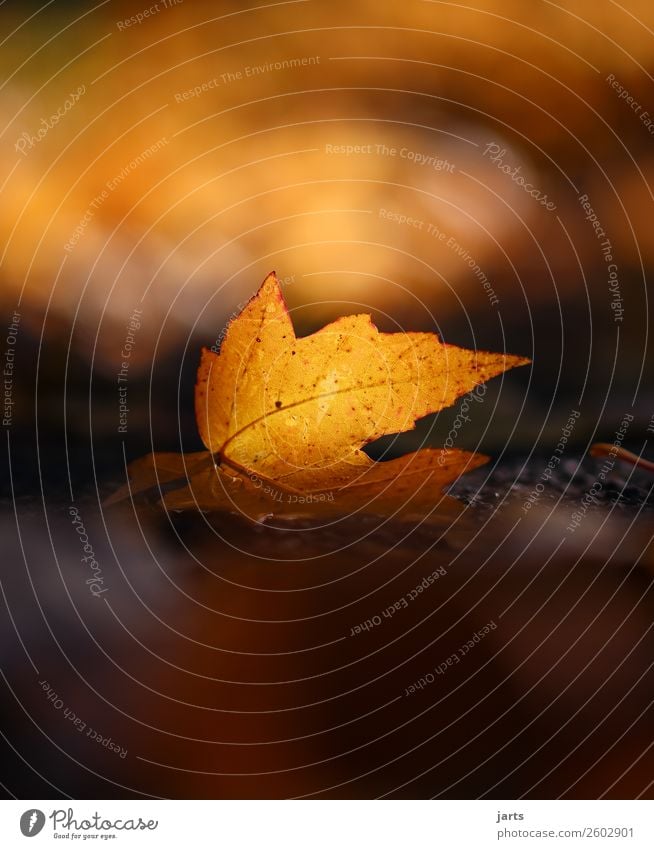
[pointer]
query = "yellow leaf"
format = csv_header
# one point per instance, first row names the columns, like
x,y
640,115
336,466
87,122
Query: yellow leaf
x,y
284,419
405,488
298,411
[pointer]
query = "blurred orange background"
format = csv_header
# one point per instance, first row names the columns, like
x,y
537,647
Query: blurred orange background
x,y
349,149
481,170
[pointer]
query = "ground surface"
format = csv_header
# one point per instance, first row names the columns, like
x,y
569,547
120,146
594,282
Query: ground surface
x,y
227,660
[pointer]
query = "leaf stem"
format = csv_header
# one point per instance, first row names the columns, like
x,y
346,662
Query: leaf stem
x,y
604,449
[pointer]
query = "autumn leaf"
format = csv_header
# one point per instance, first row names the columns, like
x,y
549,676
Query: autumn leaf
x,y
284,419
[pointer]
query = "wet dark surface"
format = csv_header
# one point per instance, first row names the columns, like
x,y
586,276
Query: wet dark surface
x,y
626,487
228,660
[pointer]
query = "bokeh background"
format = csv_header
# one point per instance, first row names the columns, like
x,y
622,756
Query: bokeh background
x,y
156,162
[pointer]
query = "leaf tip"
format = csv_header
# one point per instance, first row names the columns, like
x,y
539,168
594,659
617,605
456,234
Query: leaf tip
x,y
272,284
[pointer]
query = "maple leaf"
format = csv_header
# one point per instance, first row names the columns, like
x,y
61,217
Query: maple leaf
x,y
284,418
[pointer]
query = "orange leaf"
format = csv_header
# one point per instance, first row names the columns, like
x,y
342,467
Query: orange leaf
x,y
297,411
285,418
